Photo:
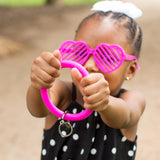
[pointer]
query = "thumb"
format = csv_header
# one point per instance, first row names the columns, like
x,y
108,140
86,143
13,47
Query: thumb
x,y
57,54
76,76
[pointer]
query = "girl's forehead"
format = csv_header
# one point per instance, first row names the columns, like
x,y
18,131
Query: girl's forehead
x,y
94,32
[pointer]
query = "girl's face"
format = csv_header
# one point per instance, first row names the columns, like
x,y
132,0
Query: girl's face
x,y
94,32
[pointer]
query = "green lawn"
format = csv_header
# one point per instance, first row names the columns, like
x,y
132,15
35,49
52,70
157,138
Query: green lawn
x,y
13,3
79,2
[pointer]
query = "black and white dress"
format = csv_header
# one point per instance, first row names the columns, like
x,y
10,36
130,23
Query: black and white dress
x,y
91,140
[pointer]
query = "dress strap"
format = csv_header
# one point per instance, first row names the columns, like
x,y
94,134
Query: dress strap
x,y
74,92
120,92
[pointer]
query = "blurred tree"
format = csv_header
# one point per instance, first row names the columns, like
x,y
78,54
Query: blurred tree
x,y
54,2
51,1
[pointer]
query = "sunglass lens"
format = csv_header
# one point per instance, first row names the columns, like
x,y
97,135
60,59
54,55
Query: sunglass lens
x,y
74,52
107,58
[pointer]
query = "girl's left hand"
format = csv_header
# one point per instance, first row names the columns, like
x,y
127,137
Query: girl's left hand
x,y
94,89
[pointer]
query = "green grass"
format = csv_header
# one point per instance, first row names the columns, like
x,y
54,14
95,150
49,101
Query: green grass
x,y
79,2
17,3
13,3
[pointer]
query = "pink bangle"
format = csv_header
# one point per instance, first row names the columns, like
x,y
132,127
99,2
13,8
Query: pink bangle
x,y
59,113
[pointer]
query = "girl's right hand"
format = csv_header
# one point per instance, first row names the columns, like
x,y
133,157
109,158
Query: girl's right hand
x,y
45,69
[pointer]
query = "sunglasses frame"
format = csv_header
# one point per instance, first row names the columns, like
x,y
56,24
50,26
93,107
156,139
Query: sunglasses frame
x,y
106,66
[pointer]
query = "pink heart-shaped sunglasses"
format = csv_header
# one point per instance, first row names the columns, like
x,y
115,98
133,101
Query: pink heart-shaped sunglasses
x,y
107,57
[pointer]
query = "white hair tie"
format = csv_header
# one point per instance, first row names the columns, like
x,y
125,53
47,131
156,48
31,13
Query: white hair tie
x,y
117,6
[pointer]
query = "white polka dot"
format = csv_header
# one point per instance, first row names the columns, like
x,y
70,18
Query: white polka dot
x,y
93,151
93,139
74,110
134,148
43,138
98,126
105,137
123,139
52,142
87,125
75,137
44,152
65,148
74,124
95,114
64,133
55,158
114,150
82,151
130,153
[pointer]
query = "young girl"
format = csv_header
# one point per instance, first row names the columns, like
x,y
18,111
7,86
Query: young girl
x,y
110,131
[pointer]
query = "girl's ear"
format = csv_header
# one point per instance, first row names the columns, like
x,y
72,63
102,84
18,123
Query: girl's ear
x,y
131,70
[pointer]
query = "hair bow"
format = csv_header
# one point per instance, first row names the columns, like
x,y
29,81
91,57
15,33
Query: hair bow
x,y
118,6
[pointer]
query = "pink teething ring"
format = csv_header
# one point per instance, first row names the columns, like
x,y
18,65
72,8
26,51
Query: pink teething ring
x,y
59,113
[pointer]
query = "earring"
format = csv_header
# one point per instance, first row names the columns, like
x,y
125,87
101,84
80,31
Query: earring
x,y
127,78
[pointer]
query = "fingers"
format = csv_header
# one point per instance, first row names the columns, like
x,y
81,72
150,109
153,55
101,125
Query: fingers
x,y
98,101
95,91
53,59
57,54
45,69
42,64
38,83
76,76
93,83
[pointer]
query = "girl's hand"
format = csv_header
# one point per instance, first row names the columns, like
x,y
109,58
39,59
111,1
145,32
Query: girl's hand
x,y
94,88
45,69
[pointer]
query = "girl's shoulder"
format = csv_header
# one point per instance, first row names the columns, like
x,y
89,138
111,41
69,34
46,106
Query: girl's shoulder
x,y
133,95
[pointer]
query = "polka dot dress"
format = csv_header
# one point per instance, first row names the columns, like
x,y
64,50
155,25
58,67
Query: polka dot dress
x,y
91,140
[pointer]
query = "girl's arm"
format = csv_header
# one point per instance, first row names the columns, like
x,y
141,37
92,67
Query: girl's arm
x,y
122,112
35,103
44,71
125,111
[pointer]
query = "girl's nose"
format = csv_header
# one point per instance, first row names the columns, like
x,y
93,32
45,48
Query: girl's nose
x,y
90,65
